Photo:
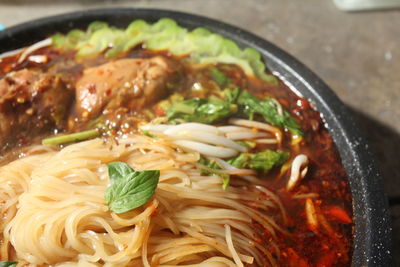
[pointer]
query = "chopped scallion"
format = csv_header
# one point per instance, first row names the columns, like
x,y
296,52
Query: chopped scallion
x,y
71,138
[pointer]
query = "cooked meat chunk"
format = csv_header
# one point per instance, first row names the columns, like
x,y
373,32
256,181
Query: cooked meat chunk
x,y
127,83
30,102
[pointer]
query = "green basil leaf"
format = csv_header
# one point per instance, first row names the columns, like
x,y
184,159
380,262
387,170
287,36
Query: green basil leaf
x,y
130,189
8,263
118,170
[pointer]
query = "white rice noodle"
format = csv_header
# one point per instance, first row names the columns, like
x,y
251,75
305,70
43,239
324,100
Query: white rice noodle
x,y
276,199
34,47
295,174
258,125
232,250
311,215
207,150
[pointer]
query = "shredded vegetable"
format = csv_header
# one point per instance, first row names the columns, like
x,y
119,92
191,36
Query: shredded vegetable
x,y
200,44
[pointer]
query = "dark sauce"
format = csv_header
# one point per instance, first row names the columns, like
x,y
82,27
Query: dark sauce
x,y
326,179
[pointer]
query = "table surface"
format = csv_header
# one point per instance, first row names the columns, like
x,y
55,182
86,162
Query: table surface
x,y
354,53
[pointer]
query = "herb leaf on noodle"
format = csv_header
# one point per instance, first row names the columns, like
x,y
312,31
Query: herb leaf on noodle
x,y
129,189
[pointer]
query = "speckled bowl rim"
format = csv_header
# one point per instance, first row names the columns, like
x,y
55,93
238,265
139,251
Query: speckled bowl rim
x,y
372,239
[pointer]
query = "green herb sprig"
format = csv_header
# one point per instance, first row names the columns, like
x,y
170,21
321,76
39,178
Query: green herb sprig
x,y
250,105
129,189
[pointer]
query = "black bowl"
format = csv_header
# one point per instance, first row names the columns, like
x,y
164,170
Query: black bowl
x,y
372,241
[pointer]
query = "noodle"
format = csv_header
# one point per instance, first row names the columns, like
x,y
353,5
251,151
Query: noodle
x,y
190,221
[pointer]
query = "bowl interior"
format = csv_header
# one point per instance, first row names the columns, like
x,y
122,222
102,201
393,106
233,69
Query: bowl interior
x,y
372,225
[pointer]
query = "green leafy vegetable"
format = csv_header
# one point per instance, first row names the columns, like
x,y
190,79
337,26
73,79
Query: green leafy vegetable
x,y
201,110
8,263
260,161
219,76
129,189
231,95
70,138
202,45
212,109
268,109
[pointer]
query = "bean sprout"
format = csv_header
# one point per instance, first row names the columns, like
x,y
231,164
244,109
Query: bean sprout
x,y
258,125
207,150
295,174
34,47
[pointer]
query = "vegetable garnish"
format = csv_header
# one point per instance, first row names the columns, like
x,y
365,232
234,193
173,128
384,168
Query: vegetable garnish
x,y
204,110
8,263
129,189
202,45
235,101
213,165
269,109
262,161
71,138
219,76
231,95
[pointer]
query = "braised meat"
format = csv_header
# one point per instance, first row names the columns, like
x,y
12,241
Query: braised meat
x,y
128,83
31,102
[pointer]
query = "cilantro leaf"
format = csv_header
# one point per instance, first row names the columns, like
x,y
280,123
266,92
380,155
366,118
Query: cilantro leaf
x,y
203,110
262,161
268,109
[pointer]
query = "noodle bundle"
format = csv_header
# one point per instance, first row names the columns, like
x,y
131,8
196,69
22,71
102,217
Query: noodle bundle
x,y
54,210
